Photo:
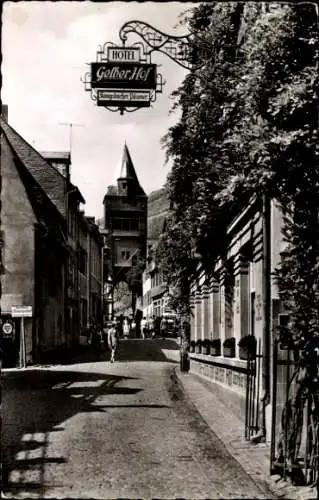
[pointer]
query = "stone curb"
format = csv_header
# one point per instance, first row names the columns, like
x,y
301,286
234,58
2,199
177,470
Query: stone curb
x,y
278,487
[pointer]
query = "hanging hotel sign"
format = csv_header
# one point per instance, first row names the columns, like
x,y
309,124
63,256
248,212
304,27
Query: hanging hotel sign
x,y
128,69
123,78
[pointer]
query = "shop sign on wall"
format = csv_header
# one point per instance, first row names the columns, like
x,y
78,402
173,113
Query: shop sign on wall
x,y
7,329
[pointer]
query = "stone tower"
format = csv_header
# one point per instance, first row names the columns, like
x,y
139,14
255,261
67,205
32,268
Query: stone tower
x,y
125,223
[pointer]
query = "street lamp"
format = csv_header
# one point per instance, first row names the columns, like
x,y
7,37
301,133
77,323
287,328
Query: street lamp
x,y
108,297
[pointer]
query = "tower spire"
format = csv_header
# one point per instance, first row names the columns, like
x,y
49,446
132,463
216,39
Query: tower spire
x,y
126,174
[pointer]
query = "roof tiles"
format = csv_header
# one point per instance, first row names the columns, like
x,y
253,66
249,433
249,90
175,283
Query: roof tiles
x,y
48,178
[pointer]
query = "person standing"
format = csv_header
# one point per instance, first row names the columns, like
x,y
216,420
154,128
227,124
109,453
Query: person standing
x,y
151,326
144,327
112,340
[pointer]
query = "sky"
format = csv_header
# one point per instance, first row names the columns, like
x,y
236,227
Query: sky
x,y
46,49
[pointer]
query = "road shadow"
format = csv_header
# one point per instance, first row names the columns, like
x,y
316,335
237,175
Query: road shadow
x,y
131,349
35,404
149,350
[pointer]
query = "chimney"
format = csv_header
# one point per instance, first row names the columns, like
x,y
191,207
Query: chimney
x,y
4,111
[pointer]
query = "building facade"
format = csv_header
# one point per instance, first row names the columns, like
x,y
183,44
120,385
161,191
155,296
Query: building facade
x,y
90,246
40,227
239,298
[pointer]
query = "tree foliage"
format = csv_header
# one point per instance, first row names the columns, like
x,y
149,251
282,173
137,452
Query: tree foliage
x,y
248,127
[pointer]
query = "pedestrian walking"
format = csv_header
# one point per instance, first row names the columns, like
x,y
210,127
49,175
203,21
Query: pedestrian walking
x,y
126,328
151,326
144,327
112,339
133,328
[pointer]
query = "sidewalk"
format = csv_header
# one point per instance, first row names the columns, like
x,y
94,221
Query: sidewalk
x,y
230,429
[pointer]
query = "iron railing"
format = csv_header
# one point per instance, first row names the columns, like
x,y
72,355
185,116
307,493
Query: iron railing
x,y
253,388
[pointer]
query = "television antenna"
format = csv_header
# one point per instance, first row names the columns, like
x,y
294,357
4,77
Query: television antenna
x,y
71,125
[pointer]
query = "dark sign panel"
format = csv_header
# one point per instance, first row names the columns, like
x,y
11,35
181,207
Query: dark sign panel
x,y
123,98
112,75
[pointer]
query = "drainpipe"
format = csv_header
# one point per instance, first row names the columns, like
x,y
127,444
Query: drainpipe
x,y
266,212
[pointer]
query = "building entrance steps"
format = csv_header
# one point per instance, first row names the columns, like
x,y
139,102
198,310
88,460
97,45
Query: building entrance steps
x,y
254,458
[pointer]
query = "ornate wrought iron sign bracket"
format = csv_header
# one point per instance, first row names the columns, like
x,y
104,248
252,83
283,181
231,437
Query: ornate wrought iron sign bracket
x,y
123,78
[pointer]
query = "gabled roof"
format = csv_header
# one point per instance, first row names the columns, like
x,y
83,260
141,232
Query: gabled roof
x,y
126,170
47,177
48,216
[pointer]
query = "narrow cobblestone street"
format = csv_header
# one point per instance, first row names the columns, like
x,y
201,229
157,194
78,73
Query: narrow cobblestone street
x,y
102,430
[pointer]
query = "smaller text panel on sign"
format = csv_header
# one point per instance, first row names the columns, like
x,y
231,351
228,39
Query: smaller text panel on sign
x,y
131,98
123,54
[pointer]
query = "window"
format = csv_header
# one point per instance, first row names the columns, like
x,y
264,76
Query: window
x,y
125,255
125,224
82,261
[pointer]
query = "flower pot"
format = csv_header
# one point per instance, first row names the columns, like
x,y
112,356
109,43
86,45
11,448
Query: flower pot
x,y
243,353
229,352
205,349
247,347
198,349
215,351
229,347
192,348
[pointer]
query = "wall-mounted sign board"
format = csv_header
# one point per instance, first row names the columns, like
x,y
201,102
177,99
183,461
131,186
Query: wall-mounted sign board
x,y
21,311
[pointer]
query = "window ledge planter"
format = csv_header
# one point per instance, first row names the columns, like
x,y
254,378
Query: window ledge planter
x,y
215,348
198,347
247,347
244,353
206,346
229,347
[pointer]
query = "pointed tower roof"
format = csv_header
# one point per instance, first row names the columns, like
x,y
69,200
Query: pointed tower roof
x,y
126,170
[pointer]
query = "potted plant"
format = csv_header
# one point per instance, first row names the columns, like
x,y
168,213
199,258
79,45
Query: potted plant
x,y
206,346
229,347
215,348
198,346
192,346
247,347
